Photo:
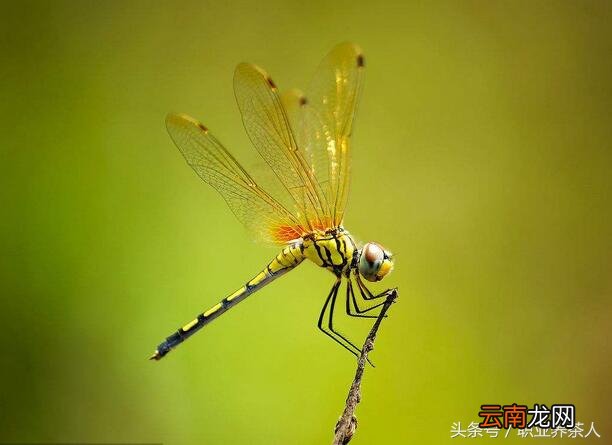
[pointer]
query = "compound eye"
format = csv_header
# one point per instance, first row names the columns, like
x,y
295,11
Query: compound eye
x,y
370,262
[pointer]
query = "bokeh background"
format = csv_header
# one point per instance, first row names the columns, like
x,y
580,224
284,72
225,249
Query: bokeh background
x,y
482,158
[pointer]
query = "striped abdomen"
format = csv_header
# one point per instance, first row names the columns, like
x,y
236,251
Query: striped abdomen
x,y
286,260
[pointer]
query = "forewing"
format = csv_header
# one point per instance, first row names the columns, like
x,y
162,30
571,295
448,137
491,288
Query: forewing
x,y
312,137
327,122
267,124
264,216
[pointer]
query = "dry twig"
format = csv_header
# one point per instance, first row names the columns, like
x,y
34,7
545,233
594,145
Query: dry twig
x,y
346,426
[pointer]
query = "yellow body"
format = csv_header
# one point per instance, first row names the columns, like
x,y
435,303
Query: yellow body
x,y
305,142
333,250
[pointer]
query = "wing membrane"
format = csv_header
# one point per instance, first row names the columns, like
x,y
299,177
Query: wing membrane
x,y
304,141
326,122
267,124
312,136
264,216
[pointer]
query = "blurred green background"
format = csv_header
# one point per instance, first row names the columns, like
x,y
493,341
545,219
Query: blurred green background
x,y
482,158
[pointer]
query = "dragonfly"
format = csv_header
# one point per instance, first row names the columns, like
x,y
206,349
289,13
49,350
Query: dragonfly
x,y
300,204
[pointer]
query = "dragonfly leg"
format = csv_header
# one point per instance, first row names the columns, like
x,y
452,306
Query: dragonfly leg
x,y
350,298
365,292
329,331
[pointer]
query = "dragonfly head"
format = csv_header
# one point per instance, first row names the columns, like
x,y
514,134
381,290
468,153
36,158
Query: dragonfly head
x,y
374,262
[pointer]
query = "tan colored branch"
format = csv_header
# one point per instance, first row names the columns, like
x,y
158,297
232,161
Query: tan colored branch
x,y
346,426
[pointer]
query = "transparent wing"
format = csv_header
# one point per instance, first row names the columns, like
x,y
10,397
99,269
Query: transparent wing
x,y
312,138
267,124
294,102
264,216
324,123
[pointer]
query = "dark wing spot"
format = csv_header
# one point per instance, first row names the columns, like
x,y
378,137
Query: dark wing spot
x,y
303,100
271,83
202,127
360,61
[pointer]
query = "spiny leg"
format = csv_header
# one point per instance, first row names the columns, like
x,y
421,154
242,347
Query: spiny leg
x,y
331,325
331,322
331,298
350,296
365,292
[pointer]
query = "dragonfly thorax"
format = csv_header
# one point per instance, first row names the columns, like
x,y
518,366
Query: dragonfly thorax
x,y
333,249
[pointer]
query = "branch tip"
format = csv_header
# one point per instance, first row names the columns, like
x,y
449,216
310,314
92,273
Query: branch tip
x,y
347,424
